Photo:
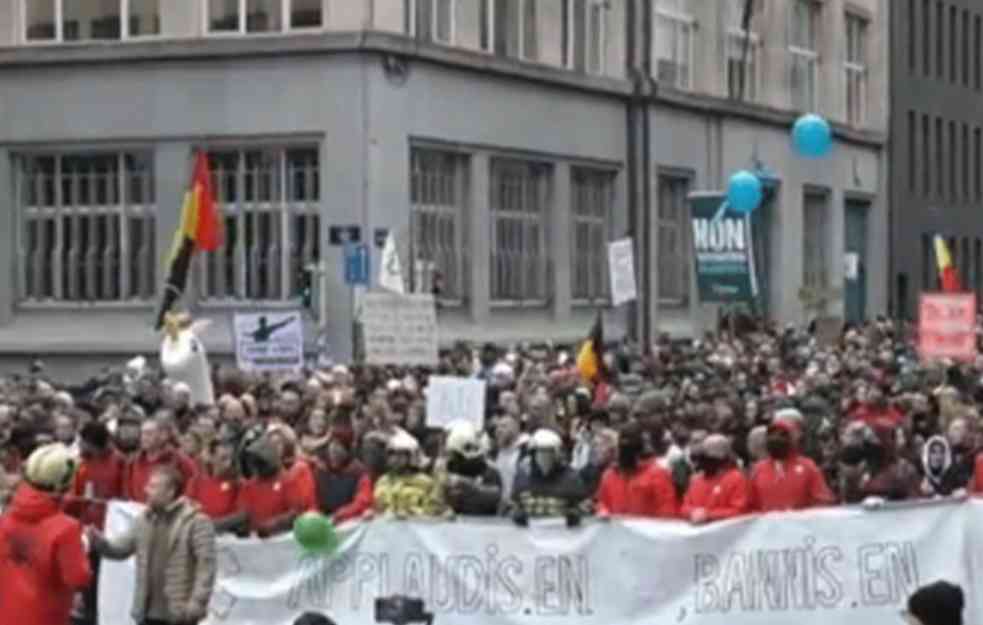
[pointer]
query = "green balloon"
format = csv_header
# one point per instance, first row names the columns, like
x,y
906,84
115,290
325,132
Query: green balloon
x,y
315,533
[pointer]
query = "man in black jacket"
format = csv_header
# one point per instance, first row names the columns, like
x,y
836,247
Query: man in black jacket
x,y
472,486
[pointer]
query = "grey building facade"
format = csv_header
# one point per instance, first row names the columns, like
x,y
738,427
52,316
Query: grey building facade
x,y
937,147
503,142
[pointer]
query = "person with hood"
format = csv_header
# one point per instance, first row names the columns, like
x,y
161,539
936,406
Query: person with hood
x,y
958,475
405,491
936,462
719,490
787,480
43,561
471,485
546,486
635,487
344,486
269,500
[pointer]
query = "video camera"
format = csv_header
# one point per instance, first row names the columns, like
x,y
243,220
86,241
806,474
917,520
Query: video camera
x,y
401,610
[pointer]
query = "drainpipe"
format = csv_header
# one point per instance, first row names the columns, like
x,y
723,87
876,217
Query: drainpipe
x,y
645,88
631,146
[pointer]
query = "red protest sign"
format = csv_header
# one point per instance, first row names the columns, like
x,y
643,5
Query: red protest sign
x,y
947,326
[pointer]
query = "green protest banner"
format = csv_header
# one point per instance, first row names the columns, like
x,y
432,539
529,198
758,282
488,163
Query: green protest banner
x,y
723,251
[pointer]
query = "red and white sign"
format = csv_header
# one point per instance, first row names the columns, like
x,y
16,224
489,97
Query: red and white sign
x,y
947,326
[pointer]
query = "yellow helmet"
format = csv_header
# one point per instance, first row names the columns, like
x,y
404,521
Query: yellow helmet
x,y
51,468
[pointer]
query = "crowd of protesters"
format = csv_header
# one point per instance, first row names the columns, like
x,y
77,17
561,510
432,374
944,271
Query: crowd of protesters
x,y
751,419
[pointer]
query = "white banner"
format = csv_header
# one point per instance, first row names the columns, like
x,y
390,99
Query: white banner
x,y
269,341
621,265
452,399
399,329
838,565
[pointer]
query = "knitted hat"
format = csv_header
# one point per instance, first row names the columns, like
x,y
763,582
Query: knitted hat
x,y
940,603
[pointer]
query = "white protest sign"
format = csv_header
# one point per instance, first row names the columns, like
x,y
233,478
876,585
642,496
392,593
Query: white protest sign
x,y
399,329
269,341
455,399
836,565
621,264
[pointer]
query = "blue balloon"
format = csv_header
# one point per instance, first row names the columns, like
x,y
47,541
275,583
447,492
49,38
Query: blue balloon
x,y
812,136
744,192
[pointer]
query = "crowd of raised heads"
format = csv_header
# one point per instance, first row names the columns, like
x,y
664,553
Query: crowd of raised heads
x,y
752,418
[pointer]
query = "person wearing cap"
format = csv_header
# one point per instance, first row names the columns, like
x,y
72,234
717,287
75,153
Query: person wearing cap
x,y
471,484
787,480
635,487
546,486
344,486
940,603
719,491
405,491
43,561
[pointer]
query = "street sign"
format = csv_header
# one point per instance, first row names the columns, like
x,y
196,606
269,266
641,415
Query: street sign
x,y
343,235
356,264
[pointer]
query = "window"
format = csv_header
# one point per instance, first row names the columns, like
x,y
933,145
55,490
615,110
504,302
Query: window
x,y
926,19
87,231
93,20
965,162
977,162
438,201
270,199
515,28
926,155
262,16
803,46
977,52
584,30
856,69
928,263
939,159
964,41
592,198
953,33
742,50
939,40
432,20
520,201
673,43
912,151
815,265
674,250
953,167
912,37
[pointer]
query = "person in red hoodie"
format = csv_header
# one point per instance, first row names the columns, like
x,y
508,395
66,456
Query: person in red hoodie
x,y
267,498
216,486
156,451
43,560
344,486
720,490
787,480
635,487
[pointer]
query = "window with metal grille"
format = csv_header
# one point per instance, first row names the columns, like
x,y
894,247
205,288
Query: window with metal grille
x,y
438,200
592,198
70,20
673,43
87,231
674,242
584,35
804,50
520,202
815,255
856,69
430,20
515,28
270,200
742,69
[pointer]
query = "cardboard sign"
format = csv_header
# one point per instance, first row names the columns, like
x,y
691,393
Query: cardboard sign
x,y
269,341
452,399
399,329
621,265
947,326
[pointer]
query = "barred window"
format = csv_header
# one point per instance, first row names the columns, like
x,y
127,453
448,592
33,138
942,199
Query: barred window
x,y
674,249
815,261
87,230
438,196
270,199
592,197
520,200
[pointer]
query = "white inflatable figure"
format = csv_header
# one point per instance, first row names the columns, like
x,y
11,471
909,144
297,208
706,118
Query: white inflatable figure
x,y
183,357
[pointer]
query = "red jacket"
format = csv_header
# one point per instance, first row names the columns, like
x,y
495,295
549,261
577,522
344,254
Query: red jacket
x,y
300,481
977,482
141,467
42,561
99,479
870,414
217,496
792,484
646,492
266,499
724,496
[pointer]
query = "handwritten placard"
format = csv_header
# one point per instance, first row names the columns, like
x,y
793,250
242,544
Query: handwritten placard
x,y
452,399
399,329
621,264
947,326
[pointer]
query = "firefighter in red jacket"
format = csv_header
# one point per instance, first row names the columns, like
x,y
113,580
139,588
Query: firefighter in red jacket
x,y
43,562
787,480
720,490
633,486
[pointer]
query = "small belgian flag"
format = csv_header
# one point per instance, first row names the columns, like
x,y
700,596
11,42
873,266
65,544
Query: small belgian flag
x,y
590,358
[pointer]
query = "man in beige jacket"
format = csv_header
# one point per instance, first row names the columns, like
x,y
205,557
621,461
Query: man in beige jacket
x,y
174,543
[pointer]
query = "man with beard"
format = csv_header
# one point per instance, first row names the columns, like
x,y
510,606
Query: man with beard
x,y
126,438
548,488
719,491
344,486
633,486
786,480
472,486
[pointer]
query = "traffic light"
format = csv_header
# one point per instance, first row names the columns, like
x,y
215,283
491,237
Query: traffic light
x,y
306,281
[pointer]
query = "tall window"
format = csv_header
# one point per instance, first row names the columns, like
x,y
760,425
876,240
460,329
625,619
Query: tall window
x,y
939,159
262,16
953,162
964,43
912,37
953,34
674,251
516,28
743,50
673,43
584,35
926,155
977,163
939,39
926,20
438,203
87,231
815,263
912,151
856,69
520,201
977,52
431,20
270,199
592,196
965,163
92,20
804,50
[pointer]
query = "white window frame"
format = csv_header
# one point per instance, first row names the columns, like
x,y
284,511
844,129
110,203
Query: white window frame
x,y
856,71
811,57
124,26
752,82
678,20
521,26
434,20
285,27
603,221
601,7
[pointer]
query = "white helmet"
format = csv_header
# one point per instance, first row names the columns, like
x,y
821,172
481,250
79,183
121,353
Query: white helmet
x,y
403,442
462,438
51,468
544,439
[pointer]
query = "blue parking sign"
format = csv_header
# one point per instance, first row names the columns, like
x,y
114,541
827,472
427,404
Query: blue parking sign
x,y
356,264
